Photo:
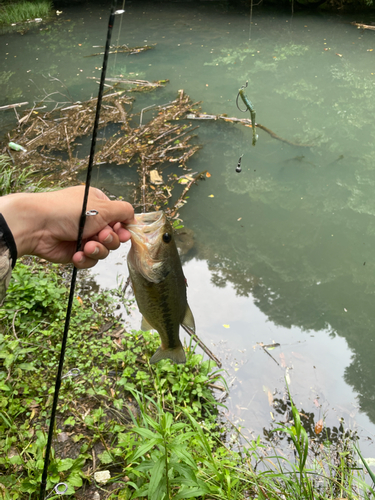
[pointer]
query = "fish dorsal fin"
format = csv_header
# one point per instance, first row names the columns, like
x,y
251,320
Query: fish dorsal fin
x,y
188,320
145,325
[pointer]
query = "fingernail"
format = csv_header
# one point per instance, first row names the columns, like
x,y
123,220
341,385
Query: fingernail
x,y
108,239
96,251
82,260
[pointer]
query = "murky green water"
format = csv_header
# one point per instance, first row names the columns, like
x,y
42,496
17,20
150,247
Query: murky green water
x,y
284,251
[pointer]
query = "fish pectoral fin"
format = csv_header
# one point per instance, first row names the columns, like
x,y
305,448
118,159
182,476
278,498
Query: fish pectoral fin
x,y
145,325
177,355
188,320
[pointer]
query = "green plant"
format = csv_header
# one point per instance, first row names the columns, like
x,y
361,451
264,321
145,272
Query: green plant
x,y
12,180
16,12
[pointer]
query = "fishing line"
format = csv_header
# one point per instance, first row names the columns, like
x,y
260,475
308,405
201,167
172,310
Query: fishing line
x,y
118,36
82,221
251,18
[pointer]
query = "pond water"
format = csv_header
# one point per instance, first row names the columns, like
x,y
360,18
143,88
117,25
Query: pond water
x,y
284,250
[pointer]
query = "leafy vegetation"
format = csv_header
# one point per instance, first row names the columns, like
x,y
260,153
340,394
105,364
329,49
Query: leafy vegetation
x,y
15,12
153,431
13,180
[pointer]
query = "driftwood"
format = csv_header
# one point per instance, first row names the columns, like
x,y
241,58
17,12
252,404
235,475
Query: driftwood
x,y
247,123
11,106
363,26
143,83
122,49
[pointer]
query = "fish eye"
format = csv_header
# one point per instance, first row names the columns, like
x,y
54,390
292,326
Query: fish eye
x,y
167,237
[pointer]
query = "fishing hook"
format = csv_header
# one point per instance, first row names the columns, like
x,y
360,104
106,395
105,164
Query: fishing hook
x,y
238,95
79,244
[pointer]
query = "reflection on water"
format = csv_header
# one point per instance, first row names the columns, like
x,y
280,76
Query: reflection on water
x,y
283,251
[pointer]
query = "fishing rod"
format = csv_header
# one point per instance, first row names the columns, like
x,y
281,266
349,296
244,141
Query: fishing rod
x,y
84,214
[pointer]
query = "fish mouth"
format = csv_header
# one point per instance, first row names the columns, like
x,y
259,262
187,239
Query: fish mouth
x,y
147,228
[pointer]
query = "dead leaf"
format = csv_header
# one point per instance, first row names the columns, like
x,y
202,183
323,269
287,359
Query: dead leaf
x,y
155,177
319,426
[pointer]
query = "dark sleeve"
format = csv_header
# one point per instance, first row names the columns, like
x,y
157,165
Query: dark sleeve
x,y
8,256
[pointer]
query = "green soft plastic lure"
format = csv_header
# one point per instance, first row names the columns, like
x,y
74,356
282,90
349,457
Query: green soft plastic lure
x,y
250,107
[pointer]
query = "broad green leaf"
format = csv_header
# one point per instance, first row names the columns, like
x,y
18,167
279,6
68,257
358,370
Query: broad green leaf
x,y
144,432
184,455
156,474
75,480
65,464
142,450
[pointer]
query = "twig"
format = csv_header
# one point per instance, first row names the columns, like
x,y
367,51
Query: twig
x,y
181,198
270,355
68,143
202,345
11,106
363,26
245,121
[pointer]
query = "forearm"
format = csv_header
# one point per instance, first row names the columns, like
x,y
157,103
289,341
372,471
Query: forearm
x,y
23,213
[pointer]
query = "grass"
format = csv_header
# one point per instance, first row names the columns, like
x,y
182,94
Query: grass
x,y
13,180
16,12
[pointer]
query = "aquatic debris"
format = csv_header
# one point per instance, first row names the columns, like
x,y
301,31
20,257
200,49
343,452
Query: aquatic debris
x,y
16,147
118,49
247,123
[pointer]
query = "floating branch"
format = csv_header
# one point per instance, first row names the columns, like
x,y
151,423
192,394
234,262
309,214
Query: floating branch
x,y
123,49
363,26
11,106
247,123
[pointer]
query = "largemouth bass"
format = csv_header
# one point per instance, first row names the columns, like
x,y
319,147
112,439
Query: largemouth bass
x,y
159,283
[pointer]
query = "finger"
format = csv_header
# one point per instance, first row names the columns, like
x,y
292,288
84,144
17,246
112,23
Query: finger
x,y
82,262
123,234
108,238
95,250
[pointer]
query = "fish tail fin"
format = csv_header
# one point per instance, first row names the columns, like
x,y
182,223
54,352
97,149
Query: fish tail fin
x,y
177,355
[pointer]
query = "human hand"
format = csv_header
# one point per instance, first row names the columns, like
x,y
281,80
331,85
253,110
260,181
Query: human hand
x,y
46,224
